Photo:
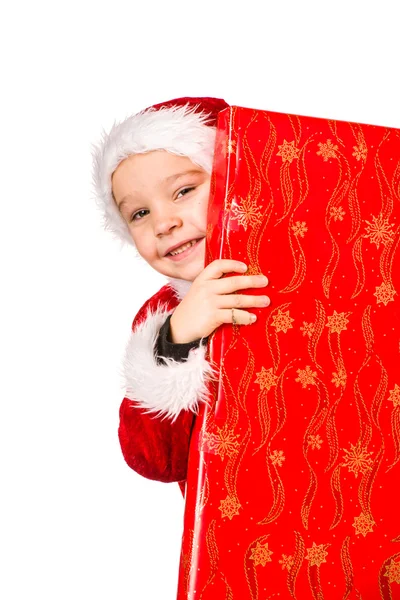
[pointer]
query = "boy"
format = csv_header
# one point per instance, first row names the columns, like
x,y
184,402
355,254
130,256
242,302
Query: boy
x,y
152,180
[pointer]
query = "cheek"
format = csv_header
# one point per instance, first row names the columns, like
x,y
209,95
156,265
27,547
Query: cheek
x,y
201,211
203,201
142,244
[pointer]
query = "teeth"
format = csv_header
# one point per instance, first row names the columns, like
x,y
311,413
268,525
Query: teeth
x,y
183,248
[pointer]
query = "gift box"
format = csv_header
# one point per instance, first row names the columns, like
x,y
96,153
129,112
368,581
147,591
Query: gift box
x,y
294,467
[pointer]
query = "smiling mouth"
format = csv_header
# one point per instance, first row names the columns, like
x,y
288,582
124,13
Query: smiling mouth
x,y
183,250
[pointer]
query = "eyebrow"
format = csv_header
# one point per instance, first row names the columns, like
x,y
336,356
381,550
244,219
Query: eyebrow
x,y
168,179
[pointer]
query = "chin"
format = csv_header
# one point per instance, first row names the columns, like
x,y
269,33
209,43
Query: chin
x,y
188,274
195,270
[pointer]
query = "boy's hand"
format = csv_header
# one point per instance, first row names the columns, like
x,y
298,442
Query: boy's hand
x,y
210,300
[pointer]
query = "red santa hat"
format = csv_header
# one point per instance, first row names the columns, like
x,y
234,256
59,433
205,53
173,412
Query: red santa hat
x,y
184,126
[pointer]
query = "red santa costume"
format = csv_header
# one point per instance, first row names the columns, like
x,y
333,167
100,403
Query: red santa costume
x,y
165,382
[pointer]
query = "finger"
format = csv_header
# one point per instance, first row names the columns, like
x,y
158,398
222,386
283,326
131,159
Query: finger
x,y
222,266
237,317
228,285
242,301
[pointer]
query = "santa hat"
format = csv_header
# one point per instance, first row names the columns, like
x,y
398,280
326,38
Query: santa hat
x,y
185,126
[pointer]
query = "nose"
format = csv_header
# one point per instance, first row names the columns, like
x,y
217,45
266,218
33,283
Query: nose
x,y
165,221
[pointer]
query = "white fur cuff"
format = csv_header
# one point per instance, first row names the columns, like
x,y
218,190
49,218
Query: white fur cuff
x,y
169,388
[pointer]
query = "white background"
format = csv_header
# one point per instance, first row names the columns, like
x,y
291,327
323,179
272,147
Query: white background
x,y
76,522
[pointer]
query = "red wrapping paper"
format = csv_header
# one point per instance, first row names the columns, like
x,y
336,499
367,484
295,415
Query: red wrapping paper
x,y
294,468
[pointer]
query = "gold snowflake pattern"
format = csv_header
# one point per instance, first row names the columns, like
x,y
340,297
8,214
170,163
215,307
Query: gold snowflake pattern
x,y
315,441
288,151
261,554
357,459
394,395
339,378
363,524
224,442
327,150
231,147
282,321
385,293
360,151
337,322
277,457
299,228
229,507
317,554
266,379
287,562
306,376
307,329
393,571
379,231
247,213
337,213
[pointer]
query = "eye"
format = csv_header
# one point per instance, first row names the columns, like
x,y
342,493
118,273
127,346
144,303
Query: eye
x,y
186,190
133,218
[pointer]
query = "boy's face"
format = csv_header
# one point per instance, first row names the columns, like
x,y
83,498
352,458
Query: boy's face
x,y
164,200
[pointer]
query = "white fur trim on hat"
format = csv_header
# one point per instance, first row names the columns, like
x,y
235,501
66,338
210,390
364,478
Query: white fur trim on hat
x,y
169,388
179,130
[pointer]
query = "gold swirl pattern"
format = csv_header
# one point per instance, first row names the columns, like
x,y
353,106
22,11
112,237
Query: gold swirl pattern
x,y
329,150
186,561
380,393
298,559
361,154
204,493
395,184
316,332
296,232
386,292
384,186
331,429
354,208
359,265
278,492
362,461
257,554
316,422
316,556
259,226
288,152
347,567
281,321
276,457
212,548
230,505
394,396
338,497
295,124
264,418
336,323
298,229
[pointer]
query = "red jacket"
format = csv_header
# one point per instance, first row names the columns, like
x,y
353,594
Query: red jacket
x,y
158,411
